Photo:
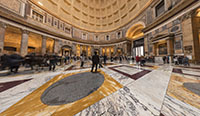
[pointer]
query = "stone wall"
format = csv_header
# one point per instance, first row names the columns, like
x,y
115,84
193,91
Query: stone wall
x,y
35,41
13,5
12,39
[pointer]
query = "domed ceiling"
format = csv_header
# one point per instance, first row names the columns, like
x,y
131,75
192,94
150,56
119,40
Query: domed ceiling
x,y
95,15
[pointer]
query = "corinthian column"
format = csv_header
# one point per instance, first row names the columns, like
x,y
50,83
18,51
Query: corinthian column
x,y
44,40
24,43
2,35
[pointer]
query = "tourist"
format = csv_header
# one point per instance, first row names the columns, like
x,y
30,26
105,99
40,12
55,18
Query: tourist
x,y
186,61
142,61
111,58
95,61
132,58
100,62
137,58
104,59
164,59
53,61
167,58
175,60
82,58
180,59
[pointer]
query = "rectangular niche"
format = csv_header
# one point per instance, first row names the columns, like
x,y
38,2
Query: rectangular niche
x,y
162,48
119,34
96,38
160,8
84,36
107,37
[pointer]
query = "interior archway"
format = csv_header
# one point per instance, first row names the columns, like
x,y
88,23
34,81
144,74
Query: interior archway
x,y
135,34
135,31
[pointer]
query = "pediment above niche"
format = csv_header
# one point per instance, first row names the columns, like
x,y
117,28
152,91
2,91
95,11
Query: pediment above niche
x,y
162,37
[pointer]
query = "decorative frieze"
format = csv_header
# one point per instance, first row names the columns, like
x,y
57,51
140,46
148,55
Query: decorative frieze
x,y
13,5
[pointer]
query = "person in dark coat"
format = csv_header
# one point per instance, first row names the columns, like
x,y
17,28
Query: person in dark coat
x,y
104,59
12,61
186,61
164,59
82,58
53,62
95,61
120,59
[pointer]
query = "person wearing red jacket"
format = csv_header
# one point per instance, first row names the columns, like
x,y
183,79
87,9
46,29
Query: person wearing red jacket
x,y
137,58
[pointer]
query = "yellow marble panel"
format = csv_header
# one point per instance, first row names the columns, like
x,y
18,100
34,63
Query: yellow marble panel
x,y
178,91
32,105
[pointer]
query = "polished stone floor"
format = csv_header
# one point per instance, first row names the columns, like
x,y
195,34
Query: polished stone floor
x,y
117,89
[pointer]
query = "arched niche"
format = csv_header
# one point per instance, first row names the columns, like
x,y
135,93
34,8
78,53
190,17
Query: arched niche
x,y
135,31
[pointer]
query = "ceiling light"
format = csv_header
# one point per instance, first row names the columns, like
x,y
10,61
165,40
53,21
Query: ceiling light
x,y
40,3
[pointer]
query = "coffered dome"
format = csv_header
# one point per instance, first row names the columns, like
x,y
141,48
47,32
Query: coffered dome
x,y
95,15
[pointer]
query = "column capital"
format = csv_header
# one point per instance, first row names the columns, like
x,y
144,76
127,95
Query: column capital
x,y
44,37
24,31
3,25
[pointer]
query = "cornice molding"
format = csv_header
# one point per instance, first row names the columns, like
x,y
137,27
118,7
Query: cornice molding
x,y
181,6
106,31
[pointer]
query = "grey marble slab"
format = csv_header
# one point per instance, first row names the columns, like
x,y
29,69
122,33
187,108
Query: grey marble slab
x,y
174,107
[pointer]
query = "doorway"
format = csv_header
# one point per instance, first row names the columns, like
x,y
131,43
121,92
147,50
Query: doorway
x,y
138,47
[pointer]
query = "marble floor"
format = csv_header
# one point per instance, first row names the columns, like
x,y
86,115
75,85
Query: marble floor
x,y
117,89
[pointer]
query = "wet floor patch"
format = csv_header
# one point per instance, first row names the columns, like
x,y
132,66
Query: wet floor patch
x,y
72,88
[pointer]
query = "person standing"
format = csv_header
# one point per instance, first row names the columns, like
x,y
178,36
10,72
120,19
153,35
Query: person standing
x,y
167,58
142,61
82,60
120,59
95,61
100,62
164,59
104,59
175,60
53,61
186,61
137,58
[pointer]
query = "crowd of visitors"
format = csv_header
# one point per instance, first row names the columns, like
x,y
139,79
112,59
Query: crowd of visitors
x,y
181,60
14,61
178,60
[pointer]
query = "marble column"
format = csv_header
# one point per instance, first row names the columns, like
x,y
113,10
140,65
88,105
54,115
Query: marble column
x,y
109,51
92,50
125,48
81,49
24,43
86,50
115,50
2,35
132,53
56,46
74,49
44,40
155,49
170,47
101,52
